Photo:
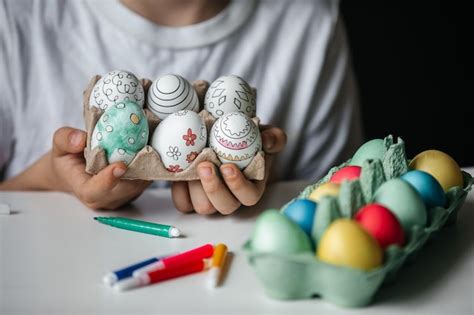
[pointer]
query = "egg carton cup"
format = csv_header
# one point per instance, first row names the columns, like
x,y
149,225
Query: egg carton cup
x,y
304,276
147,164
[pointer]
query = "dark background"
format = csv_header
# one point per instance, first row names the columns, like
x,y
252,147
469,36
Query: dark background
x,y
414,71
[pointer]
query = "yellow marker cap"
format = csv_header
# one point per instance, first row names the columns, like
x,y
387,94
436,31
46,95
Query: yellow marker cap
x,y
220,252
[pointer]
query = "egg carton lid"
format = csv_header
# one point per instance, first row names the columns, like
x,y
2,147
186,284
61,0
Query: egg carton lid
x,y
147,165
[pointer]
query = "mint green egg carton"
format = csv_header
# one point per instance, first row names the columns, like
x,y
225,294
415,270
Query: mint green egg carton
x,y
304,276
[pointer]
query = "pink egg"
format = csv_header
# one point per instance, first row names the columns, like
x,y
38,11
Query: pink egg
x,y
382,224
346,173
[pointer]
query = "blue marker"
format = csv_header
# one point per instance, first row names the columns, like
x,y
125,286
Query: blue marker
x,y
117,275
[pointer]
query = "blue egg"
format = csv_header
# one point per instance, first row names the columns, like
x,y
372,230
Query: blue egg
x,y
427,186
302,212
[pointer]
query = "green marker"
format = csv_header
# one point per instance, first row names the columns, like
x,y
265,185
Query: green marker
x,y
140,226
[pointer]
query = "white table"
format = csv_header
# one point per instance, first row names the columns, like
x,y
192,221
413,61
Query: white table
x,y
53,256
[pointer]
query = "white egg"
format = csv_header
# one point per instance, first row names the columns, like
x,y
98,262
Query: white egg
x,y
179,138
117,86
235,138
171,93
230,94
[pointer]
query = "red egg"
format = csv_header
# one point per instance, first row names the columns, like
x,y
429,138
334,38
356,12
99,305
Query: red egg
x,y
346,173
382,224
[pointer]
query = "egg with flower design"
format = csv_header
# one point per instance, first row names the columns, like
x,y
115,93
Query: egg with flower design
x,y
179,139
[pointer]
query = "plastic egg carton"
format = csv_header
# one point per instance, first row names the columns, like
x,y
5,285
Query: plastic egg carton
x,y
304,275
147,165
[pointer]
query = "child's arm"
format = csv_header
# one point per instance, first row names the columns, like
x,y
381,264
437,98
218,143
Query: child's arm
x,y
227,193
63,169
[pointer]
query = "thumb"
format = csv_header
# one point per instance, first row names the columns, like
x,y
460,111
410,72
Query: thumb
x,y
68,140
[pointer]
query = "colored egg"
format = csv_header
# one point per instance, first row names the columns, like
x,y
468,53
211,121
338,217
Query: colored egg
x,y
382,224
179,139
276,233
122,131
371,150
230,93
346,243
114,87
441,166
346,173
427,186
235,139
404,201
325,189
302,211
171,93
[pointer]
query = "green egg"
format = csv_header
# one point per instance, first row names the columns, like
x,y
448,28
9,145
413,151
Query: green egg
x,y
371,150
275,233
404,201
122,131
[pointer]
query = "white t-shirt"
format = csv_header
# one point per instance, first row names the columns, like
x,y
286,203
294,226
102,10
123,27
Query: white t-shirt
x,y
294,52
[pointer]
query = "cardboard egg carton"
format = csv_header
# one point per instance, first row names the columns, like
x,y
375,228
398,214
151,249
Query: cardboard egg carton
x,y
147,165
304,275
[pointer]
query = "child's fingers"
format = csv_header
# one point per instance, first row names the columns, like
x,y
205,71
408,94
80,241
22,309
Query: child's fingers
x,y
273,139
246,191
201,203
215,189
68,140
99,186
181,198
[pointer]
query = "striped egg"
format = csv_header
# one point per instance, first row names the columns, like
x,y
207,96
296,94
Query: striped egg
x,y
122,131
171,93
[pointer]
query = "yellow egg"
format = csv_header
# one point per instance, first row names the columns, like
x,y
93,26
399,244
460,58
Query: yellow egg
x,y
441,166
346,243
326,189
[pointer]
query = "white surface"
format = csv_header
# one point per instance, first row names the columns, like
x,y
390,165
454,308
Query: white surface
x,y
5,209
54,255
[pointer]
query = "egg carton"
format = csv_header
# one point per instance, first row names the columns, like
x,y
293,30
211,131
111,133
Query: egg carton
x,y
304,275
147,164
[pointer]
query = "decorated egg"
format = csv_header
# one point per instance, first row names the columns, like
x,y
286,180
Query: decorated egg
x,y
404,201
346,243
114,87
346,173
427,186
179,139
275,233
230,94
121,131
171,93
302,212
235,138
325,189
441,166
371,150
382,224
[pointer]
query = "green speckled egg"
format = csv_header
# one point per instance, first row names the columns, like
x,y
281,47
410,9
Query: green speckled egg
x,y
404,201
122,131
275,233
373,149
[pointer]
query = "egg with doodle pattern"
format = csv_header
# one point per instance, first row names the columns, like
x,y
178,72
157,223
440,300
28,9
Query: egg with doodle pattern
x,y
179,139
122,131
114,87
235,138
230,93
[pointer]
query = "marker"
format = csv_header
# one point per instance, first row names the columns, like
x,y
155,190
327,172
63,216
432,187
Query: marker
x,y
140,226
217,264
178,260
159,275
112,277
5,209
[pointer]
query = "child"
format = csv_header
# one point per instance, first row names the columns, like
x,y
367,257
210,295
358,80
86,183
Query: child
x,y
294,52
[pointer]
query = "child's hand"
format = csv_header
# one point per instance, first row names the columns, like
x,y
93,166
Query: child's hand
x,y
102,191
227,193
